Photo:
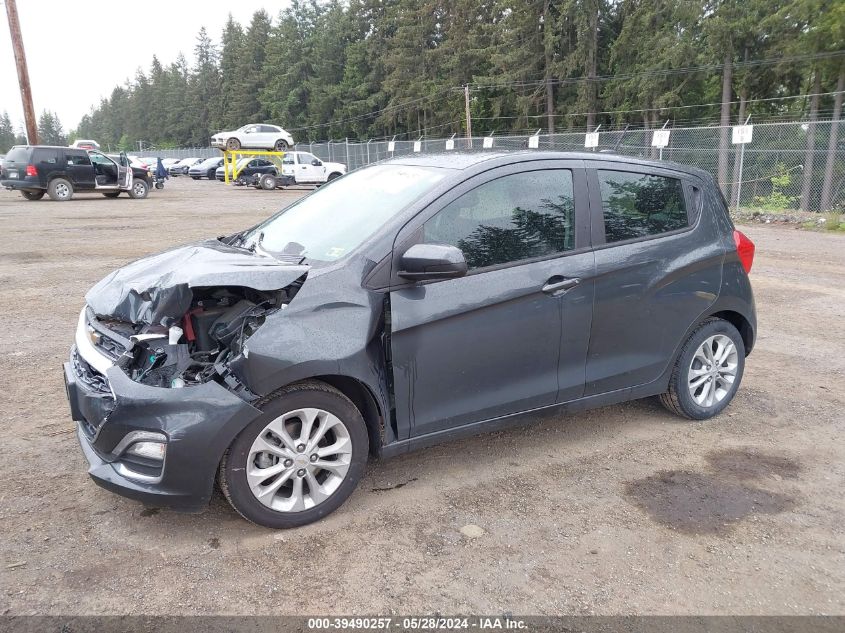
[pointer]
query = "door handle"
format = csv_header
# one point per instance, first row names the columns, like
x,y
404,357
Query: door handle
x,y
559,284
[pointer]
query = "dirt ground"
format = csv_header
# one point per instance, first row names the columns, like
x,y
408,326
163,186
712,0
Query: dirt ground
x,y
621,510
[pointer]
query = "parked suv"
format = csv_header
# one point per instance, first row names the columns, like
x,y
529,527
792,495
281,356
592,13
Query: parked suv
x,y
62,171
408,303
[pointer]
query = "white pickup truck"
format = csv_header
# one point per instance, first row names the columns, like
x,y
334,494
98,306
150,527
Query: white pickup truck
x,y
301,168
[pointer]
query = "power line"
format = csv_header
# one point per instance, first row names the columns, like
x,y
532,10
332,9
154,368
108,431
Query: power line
x,y
666,72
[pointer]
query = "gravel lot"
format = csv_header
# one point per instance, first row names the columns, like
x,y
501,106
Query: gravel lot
x,y
624,509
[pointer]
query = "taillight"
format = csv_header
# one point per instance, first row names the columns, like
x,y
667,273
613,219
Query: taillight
x,y
31,171
745,250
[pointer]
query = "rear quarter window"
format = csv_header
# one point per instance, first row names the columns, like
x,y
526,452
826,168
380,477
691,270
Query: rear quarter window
x,y
18,155
49,156
638,205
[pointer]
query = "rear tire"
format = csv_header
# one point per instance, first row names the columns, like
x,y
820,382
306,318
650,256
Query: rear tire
x,y
139,190
330,462
32,195
281,145
60,190
267,182
708,371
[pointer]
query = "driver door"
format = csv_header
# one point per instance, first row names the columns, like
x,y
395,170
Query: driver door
x,y
512,334
124,172
307,171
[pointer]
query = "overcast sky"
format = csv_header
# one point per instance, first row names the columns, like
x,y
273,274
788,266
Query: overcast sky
x,y
77,54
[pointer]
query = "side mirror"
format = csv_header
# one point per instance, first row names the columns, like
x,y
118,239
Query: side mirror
x,y
432,261
316,163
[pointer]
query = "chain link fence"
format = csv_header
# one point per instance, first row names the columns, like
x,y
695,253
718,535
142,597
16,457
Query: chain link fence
x,y
794,165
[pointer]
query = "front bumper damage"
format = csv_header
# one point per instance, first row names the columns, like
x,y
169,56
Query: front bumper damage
x,y
198,423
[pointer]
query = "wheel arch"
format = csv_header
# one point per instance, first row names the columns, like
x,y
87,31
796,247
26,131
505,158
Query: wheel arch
x,y
365,401
741,323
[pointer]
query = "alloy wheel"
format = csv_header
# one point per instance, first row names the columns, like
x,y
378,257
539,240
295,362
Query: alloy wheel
x,y
713,370
62,190
299,460
139,188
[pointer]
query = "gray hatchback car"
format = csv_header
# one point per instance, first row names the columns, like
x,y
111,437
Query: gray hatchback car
x,y
404,304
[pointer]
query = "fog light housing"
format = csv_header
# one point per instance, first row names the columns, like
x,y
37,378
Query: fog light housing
x,y
148,450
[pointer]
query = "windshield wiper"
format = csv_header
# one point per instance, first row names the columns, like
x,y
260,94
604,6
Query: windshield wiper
x,y
254,246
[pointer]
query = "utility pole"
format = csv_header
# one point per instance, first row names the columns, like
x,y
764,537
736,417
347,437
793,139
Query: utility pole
x,y
23,73
469,117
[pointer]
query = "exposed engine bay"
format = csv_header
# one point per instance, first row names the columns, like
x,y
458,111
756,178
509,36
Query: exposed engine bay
x,y
196,348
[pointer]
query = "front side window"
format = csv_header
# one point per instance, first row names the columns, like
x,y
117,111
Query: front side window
x,y
640,205
512,218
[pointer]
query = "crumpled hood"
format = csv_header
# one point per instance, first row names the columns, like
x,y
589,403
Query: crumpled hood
x,y
159,286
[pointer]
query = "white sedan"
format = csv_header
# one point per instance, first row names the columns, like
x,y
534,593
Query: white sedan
x,y
254,136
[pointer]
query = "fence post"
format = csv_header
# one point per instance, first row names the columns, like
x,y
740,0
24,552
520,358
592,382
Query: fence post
x,y
741,165
368,150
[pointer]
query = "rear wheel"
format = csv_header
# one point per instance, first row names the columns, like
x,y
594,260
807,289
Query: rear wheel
x,y
267,182
281,145
112,194
332,176
233,144
299,461
707,372
139,189
60,190
32,195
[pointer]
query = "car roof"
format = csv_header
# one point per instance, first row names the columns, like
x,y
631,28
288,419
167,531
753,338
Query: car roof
x,y
461,160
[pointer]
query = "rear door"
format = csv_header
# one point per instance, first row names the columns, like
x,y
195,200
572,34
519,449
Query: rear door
x,y
658,268
490,344
79,168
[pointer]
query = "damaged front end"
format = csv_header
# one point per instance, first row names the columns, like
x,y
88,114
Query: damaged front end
x,y
180,317
149,375
194,349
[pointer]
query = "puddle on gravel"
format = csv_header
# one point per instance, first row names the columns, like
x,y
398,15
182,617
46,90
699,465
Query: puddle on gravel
x,y
698,503
745,463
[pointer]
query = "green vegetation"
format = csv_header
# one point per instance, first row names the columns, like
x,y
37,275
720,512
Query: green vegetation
x,y
777,200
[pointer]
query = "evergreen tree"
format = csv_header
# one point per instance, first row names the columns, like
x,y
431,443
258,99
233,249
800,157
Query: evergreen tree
x,y
7,133
50,131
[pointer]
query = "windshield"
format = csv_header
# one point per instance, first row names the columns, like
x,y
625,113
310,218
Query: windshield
x,y
336,219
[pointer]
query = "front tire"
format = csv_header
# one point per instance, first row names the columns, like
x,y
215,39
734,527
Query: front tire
x,y
233,144
139,190
60,190
211,174
298,461
32,195
708,371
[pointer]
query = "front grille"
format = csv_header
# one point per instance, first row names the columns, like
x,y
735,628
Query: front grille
x,y
90,377
112,336
101,401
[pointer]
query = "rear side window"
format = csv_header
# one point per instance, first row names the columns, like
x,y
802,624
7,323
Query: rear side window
x,y
640,205
49,156
77,159
512,218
